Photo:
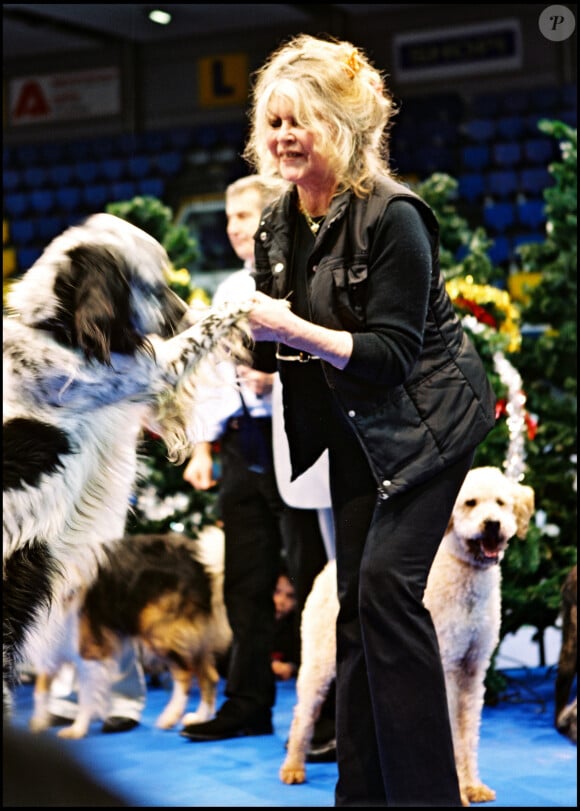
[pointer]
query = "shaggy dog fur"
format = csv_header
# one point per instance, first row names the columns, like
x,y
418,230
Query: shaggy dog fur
x,y
464,598
88,357
166,592
565,714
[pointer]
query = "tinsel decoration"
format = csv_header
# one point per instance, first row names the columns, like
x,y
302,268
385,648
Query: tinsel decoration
x,y
488,310
514,463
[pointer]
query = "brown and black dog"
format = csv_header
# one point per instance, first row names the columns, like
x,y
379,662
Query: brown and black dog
x,y
166,592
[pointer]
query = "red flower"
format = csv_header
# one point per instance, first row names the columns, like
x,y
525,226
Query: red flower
x,y
532,426
477,310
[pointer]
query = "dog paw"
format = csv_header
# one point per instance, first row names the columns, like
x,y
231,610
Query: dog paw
x,y
166,720
196,717
480,793
39,724
292,774
73,732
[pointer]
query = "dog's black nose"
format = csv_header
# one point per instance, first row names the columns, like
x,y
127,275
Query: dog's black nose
x,y
491,529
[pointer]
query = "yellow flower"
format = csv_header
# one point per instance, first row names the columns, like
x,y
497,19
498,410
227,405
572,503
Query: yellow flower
x,y
180,277
500,301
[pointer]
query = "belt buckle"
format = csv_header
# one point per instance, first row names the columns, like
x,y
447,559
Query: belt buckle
x,y
301,357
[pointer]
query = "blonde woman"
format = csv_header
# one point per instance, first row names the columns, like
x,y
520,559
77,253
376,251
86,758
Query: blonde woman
x,y
351,309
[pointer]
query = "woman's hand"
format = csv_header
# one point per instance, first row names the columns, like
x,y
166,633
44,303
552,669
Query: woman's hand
x,y
270,318
199,470
273,320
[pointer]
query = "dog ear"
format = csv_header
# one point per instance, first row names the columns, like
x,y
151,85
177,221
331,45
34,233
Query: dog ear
x,y
524,504
101,306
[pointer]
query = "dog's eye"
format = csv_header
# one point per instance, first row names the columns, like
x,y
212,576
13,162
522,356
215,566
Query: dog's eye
x,y
500,502
471,502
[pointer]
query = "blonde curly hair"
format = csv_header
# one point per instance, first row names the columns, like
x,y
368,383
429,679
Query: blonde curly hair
x,y
338,95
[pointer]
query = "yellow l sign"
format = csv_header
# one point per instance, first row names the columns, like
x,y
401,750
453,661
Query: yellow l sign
x,y
223,80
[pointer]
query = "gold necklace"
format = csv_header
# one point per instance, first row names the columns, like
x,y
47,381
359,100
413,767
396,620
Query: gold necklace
x,y
313,224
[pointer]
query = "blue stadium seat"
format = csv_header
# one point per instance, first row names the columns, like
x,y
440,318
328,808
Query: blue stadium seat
x,y
138,166
506,153
534,180
151,187
60,174
532,125
511,127
95,196
500,250
23,232
27,256
428,159
11,180
49,227
540,150
476,157
34,177
86,171
124,190
471,186
68,198
480,129
16,204
532,213
114,168
170,162
528,238
502,183
42,201
499,216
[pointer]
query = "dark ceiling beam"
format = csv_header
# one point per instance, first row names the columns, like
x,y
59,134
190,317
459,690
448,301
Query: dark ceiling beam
x,y
39,21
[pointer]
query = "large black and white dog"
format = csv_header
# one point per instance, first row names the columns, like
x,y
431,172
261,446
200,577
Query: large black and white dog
x,y
92,351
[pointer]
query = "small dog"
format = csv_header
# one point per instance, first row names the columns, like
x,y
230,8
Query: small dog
x,y
92,352
166,592
565,714
464,598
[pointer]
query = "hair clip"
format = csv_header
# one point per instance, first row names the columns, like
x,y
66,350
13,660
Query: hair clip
x,y
353,63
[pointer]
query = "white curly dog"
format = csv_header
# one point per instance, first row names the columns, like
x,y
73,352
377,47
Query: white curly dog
x,y
463,594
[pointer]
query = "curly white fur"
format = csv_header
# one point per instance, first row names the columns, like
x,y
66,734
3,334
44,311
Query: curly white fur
x,y
464,598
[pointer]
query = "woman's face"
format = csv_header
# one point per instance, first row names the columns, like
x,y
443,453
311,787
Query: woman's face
x,y
294,148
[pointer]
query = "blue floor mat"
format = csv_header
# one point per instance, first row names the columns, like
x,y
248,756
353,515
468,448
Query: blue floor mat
x,y
521,756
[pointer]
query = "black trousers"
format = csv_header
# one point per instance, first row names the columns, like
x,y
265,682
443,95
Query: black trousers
x,y
251,509
394,745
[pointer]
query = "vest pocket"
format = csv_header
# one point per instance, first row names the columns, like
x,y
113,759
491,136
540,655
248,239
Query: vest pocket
x,y
349,294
